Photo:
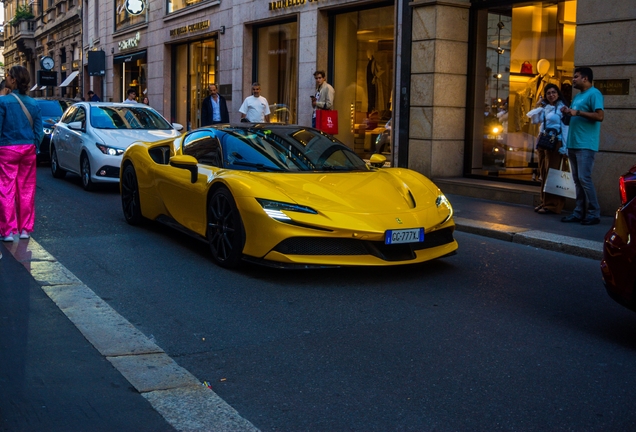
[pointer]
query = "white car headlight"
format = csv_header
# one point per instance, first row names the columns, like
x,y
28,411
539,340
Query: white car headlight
x,y
47,131
111,151
274,209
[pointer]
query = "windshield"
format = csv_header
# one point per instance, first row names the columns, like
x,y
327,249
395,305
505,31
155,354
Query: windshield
x,y
127,117
287,150
50,108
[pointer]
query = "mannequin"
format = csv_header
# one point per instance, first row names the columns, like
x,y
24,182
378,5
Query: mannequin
x,y
371,71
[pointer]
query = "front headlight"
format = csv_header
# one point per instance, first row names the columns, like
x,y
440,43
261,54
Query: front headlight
x,y
111,151
275,209
47,131
441,199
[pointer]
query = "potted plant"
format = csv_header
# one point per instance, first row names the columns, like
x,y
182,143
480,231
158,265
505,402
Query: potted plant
x,y
23,12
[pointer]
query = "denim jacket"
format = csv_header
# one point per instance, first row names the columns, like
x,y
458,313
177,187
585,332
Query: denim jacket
x,y
15,128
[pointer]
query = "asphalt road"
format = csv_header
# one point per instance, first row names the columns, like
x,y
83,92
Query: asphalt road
x,y
499,337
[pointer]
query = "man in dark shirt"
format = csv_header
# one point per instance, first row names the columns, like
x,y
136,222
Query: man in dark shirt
x,y
214,108
92,97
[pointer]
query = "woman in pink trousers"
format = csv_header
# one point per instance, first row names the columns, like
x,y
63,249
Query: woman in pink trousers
x,y
20,132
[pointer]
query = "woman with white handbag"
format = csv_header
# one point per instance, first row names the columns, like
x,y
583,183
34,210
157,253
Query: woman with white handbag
x,y
551,141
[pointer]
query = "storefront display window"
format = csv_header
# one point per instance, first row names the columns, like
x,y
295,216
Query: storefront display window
x,y
133,74
175,5
192,88
520,50
277,69
363,78
129,13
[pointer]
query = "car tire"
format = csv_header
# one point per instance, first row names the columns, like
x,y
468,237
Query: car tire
x,y
130,202
85,173
57,172
225,231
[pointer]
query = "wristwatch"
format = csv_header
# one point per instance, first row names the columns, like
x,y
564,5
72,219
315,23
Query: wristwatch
x,y
576,112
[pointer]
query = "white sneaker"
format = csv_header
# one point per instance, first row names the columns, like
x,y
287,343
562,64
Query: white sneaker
x,y
24,234
8,238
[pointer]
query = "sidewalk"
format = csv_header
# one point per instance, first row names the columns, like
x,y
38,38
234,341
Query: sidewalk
x,y
53,378
520,224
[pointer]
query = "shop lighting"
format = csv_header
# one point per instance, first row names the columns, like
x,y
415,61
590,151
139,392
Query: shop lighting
x,y
500,50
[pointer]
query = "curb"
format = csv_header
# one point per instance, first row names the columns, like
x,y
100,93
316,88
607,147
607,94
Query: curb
x,y
539,239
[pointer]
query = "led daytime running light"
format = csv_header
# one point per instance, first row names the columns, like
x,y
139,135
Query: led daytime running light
x,y
111,151
275,209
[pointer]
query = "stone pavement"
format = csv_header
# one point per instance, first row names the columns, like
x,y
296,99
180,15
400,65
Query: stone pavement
x,y
69,362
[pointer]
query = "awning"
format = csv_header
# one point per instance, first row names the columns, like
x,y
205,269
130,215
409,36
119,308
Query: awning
x,y
129,57
69,78
43,87
34,87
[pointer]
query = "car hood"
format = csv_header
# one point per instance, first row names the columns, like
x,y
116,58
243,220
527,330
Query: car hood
x,y
50,121
122,138
381,191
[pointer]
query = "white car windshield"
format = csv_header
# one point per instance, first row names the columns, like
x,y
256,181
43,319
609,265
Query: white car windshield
x,y
127,117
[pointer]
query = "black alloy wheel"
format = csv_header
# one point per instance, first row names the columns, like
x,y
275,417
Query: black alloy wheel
x,y
225,229
85,170
57,172
130,203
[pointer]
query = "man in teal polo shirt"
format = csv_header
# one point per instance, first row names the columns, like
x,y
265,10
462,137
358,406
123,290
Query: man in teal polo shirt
x,y
584,136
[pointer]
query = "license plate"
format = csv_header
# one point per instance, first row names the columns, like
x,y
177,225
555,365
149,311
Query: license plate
x,y
415,235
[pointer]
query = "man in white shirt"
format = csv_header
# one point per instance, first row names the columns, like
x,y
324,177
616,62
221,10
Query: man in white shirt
x,y
255,108
132,95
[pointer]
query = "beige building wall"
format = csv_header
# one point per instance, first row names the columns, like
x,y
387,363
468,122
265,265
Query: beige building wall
x,y
439,65
605,35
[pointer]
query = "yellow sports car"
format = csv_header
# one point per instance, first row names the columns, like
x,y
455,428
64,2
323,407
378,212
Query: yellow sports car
x,y
286,196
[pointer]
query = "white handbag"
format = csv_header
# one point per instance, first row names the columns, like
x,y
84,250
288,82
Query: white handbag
x,y
560,182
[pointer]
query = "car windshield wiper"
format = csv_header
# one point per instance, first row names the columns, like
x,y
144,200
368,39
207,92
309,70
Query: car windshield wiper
x,y
258,165
335,168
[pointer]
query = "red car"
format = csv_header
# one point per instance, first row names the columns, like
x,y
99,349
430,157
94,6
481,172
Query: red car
x,y
619,250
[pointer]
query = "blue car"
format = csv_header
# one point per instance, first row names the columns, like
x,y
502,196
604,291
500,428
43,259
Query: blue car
x,y
52,110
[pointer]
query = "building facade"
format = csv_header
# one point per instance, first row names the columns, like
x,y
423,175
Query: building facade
x,y
454,77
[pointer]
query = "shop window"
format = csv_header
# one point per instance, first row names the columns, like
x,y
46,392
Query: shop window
x,y
363,77
524,48
192,88
136,13
277,69
175,5
132,74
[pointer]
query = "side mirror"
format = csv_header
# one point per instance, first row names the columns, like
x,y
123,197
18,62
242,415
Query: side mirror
x,y
187,163
76,126
177,126
377,160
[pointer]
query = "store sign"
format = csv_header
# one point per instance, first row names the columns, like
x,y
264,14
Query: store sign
x,y
135,7
47,78
613,87
133,42
283,4
203,25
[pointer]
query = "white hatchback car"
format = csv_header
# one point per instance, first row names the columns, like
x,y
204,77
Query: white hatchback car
x,y
91,138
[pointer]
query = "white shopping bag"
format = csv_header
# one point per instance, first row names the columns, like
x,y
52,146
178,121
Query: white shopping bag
x,y
560,182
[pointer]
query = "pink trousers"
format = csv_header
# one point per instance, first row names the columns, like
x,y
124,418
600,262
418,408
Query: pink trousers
x,y
17,189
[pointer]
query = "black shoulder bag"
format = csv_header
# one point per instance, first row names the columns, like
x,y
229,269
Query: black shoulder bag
x,y
548,138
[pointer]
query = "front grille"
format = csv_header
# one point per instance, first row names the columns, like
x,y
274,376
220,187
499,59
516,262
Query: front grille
x,y
337,246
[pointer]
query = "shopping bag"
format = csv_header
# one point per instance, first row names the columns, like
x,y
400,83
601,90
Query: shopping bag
x,y
560,182
327,121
